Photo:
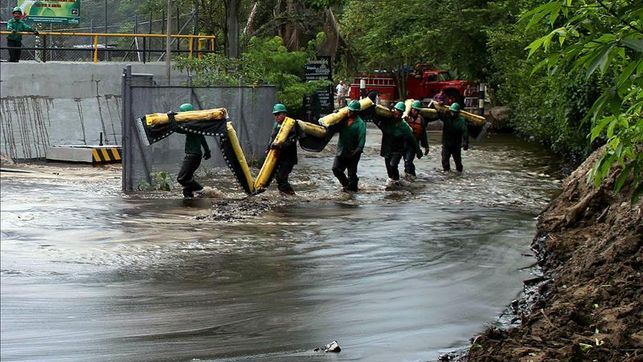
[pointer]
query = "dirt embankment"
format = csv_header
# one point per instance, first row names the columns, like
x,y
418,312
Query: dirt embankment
x,y
587,306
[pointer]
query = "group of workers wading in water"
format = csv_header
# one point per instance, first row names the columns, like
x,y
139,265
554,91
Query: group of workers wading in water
x,y
402,137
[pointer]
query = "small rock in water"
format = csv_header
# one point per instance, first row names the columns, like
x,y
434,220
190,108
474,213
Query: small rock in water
x,y
331,347
211,192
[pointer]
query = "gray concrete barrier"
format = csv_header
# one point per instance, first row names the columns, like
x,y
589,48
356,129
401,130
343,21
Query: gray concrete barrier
x,y
58,104
53,104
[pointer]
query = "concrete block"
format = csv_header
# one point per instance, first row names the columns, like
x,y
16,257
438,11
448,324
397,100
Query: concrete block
x,y
84,154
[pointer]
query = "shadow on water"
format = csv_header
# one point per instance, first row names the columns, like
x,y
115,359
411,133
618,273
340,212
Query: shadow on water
x,y
88,274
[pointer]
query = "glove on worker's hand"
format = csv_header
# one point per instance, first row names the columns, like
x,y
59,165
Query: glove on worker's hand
x,y
36,33
419,154
426,151
465,146
355,153
207,155
275,146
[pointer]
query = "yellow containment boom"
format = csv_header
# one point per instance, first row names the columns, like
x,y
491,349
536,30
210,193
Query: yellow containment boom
x,y
157,119
271,159
336,117
407,107
238,152
429,113
384,112
312,129
473,118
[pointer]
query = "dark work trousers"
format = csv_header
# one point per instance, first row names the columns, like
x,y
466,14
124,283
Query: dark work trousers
x,y
15,48
392,161
191,162
281,175
447,152
349,163
409,157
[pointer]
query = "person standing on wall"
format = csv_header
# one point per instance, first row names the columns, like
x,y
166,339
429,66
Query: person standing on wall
x,y
350,145
454,137
14,40
192,160
418,125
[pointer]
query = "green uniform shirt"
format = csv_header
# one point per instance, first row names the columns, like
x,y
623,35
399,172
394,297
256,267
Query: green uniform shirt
x,y
454,130
395,137
352,138
193,143
19,26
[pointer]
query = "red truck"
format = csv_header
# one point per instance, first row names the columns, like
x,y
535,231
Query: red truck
x,y
422,83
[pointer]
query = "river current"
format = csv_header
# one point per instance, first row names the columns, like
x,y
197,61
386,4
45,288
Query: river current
x,y
90,274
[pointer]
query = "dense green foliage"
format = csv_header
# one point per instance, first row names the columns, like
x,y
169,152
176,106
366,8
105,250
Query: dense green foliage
x,y
570,70
603,37
582,91
265,61
393,35
479,40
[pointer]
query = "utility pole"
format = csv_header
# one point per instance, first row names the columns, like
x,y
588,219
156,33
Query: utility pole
x,y
105,8
168,40
232,28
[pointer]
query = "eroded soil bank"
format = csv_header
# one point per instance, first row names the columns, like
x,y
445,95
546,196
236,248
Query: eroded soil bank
x,y
587,307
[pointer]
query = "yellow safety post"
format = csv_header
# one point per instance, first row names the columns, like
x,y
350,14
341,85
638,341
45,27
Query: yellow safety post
x,y
96,49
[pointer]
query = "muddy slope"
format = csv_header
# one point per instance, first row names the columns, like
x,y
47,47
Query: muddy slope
x,y
587,307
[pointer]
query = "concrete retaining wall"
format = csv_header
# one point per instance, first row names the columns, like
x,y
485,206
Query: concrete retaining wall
x,y
55,104
50,104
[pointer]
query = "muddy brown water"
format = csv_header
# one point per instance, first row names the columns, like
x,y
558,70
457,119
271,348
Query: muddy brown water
x,y
89,274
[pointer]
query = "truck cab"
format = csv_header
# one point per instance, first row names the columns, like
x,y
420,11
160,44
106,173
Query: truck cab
x,y
422,83
426,83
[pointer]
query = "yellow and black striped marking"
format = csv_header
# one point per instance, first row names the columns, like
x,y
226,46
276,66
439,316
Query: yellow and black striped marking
x,y
106,154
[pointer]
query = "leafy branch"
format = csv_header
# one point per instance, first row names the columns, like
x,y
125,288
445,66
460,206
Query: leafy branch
x,y
599,41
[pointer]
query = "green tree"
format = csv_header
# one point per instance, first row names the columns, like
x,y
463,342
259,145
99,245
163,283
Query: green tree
x,y
606,38
265,61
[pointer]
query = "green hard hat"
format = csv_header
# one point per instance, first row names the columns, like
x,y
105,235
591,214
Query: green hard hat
x,y
16,10
455,107
279,108
400,106
416,105
354,106
185,107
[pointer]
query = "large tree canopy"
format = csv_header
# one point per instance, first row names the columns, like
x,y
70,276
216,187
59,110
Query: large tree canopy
x,y
570,70
389,34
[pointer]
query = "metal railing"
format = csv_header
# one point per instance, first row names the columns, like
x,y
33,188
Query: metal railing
x,y
54,46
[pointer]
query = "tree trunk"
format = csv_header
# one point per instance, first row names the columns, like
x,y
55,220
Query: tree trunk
x,y
249,29
195,6
232,28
